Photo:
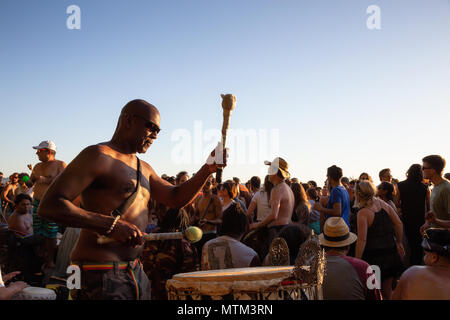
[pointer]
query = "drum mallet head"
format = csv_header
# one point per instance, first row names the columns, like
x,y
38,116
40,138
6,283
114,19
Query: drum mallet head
x,y
193,234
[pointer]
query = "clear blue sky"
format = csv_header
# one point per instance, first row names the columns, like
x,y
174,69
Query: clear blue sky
x,y
333,90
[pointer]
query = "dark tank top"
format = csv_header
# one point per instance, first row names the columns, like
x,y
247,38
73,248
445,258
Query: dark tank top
x,y
413,203
380,235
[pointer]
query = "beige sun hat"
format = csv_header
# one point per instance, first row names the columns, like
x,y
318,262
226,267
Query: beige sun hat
x,y
336,233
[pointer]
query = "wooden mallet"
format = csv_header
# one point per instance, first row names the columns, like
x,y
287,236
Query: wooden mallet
x,y
228,105
191,234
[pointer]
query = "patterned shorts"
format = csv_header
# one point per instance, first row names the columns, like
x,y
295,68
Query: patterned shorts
x,y
41,226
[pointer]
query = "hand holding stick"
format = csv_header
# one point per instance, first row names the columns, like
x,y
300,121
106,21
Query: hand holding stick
x,y
192,234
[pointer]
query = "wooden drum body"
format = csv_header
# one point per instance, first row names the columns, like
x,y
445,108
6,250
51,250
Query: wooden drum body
x,y
259,283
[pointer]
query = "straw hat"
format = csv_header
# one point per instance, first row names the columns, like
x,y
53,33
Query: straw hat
x,y
336,233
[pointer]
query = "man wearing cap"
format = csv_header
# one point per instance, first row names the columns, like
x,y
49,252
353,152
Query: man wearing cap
x,y
432,281
346,278
115,188
281,199
42,176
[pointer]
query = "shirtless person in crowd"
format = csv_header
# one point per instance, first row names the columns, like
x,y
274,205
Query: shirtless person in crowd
x,y
208,209
281,201
42,176
8,193
432,281
105,175
21,221
281,197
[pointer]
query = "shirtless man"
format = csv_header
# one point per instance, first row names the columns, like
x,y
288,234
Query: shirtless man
x,y
281,202
281,197
105,175
21,221
208,221
42,176
207,215
432,281
8,193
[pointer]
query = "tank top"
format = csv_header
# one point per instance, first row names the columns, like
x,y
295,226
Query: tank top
x,y
380,235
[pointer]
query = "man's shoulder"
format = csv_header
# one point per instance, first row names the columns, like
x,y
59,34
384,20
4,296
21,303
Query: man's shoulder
x,y
96,150
356,262
37,166
414,272
337,193
56,163
446,185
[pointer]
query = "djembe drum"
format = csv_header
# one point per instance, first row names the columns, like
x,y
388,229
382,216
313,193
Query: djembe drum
x,y
259,283
35,293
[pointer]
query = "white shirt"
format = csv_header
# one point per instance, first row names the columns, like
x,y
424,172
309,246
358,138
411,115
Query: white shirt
x,y
225,252
262,205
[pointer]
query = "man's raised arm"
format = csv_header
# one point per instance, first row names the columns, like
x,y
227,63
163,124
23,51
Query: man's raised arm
x,y
181,195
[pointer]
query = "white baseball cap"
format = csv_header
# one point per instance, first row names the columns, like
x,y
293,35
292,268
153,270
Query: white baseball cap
x,y
278,164
49,144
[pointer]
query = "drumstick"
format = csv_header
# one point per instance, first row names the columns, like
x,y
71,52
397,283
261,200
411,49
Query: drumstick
x,y
192,234
228,104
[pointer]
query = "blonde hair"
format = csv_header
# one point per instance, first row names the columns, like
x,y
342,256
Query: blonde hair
x,y
365,191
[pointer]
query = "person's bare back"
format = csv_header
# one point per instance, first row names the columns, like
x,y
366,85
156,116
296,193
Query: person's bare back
x,y
282,197
424,283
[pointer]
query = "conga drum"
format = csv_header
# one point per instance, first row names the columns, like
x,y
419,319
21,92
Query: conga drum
x,y
258,283
35,293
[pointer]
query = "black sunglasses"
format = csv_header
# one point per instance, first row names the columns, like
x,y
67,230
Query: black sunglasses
x,y
148,124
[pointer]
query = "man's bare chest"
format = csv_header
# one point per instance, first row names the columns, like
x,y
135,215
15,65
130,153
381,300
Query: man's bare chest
x,y
122,182
48,169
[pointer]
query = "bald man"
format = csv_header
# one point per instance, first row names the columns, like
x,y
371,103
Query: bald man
x,y
105,175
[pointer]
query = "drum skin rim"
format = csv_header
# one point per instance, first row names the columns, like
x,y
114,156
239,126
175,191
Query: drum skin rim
x,y
236,274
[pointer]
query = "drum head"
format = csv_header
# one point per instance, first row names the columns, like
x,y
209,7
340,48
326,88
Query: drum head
x,y
35,293
237,274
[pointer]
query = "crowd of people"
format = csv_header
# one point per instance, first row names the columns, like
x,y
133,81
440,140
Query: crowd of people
x,y
53,217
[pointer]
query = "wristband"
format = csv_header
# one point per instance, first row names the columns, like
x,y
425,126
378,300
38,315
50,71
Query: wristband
x,y
113,225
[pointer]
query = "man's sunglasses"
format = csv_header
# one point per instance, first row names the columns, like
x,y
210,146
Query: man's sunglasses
x,y
148,124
